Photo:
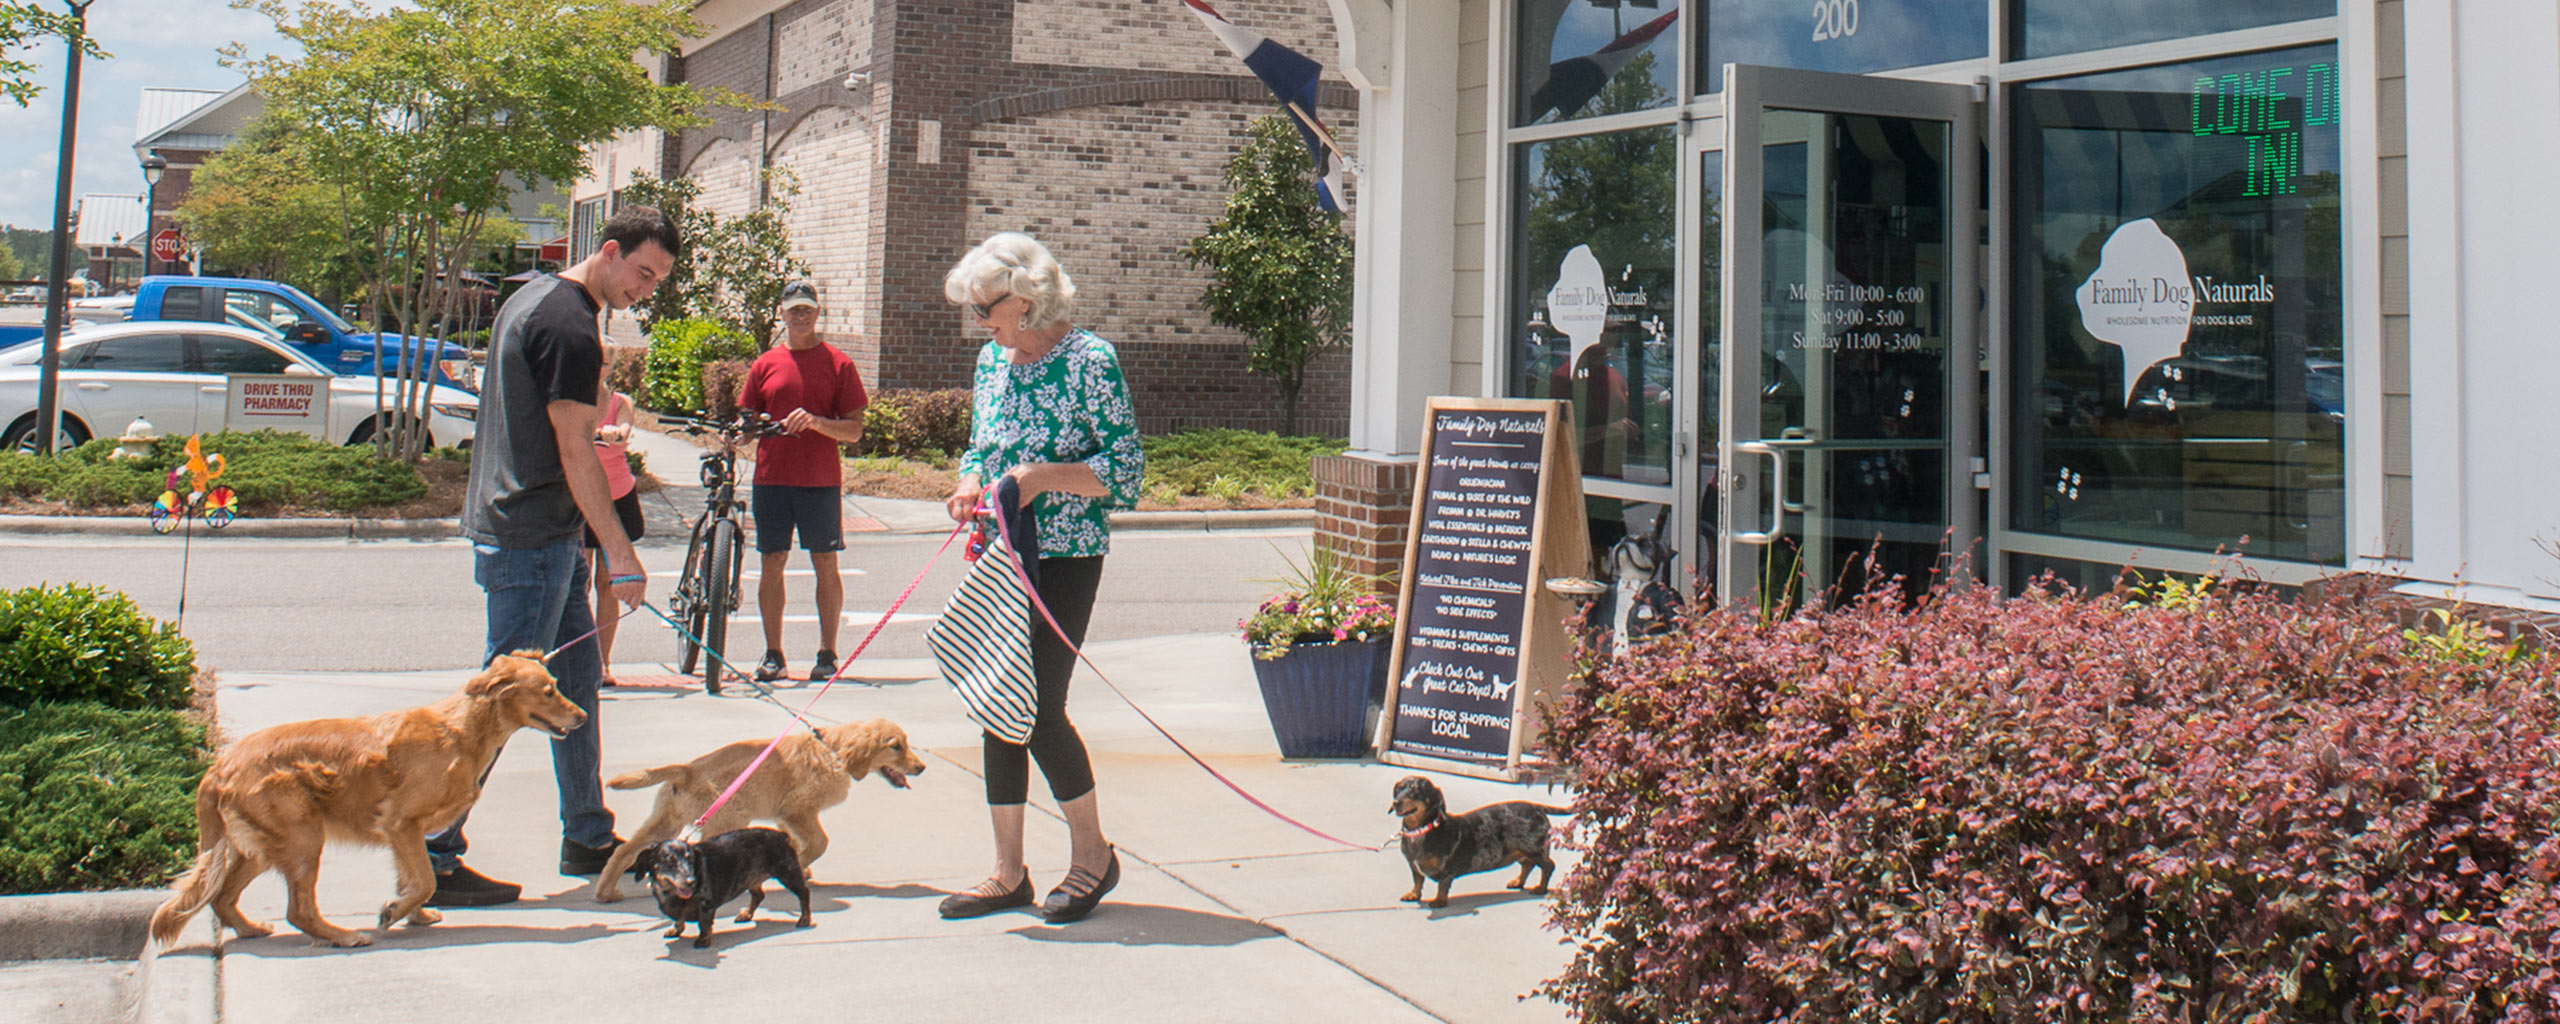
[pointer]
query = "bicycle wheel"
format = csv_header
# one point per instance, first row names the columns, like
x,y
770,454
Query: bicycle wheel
x,y
685,606
719,598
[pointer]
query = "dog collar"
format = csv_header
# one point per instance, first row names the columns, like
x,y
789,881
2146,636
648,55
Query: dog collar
x,y
1417,833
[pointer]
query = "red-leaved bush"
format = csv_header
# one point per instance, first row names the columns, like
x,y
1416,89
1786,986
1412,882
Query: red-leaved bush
x,y
2057,807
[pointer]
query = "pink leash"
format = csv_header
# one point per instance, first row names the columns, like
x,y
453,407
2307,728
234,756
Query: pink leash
x,y
1027,587
695,830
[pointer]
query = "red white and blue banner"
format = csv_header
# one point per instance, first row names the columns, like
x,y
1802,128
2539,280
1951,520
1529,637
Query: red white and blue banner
x,y
1292,77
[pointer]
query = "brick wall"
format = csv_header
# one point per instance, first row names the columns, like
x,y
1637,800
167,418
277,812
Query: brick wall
x,y
1364,512
1101,126
1154,35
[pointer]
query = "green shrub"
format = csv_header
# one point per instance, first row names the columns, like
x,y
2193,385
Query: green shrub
x,y
928,425
677,351
722,383
266,469
96,798
1194,461
76,642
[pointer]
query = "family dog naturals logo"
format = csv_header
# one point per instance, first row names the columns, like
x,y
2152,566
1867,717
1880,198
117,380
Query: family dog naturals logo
x,y
2142,300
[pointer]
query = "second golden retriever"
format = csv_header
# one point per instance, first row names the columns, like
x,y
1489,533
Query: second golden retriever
x,y
807,773
274,799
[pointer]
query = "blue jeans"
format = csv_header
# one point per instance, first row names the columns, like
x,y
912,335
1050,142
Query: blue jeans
x,y
538,601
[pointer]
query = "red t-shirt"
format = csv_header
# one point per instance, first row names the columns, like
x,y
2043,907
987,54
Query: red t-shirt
x,y
821,380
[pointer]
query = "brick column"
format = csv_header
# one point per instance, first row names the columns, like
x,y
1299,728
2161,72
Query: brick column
x,y
1364,511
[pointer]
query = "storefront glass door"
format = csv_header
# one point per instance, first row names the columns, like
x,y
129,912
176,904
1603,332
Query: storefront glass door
x,y
1847,405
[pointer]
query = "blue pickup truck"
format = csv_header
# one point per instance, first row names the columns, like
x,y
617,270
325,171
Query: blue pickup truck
x,y
280,310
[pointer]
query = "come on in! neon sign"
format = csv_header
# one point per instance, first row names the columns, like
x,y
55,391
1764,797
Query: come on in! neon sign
x,y
2259,106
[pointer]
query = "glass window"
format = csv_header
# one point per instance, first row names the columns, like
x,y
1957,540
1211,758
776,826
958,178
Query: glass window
x,y
184,302
260,311
1839,35
2179,363
1593,301
2042,28
1585,58
138,353
216,354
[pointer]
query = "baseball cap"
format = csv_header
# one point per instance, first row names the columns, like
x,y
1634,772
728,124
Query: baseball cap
x,y
800,293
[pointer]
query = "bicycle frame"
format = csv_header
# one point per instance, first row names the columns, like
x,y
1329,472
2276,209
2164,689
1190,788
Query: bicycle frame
x,y
707,595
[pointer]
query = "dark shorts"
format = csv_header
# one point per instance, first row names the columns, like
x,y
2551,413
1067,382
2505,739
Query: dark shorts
x,y
627,509
816,512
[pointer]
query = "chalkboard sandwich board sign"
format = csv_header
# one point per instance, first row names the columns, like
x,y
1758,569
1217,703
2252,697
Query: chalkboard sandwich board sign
x,y
1497,508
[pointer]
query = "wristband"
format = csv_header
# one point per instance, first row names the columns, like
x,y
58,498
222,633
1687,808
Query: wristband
x,y
631,578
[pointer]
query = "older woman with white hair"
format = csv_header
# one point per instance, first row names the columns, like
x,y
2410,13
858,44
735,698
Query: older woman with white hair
x,y
1051,411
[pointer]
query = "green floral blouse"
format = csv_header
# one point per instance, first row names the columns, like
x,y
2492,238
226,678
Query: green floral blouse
x,y
1070,406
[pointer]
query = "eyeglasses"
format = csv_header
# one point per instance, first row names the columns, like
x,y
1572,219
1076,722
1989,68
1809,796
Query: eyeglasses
x,y
986,310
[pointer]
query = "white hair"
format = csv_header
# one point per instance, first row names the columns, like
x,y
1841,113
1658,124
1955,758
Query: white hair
x,y
1013,263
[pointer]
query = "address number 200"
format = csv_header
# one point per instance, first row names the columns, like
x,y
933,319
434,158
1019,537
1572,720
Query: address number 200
x,y
1834,19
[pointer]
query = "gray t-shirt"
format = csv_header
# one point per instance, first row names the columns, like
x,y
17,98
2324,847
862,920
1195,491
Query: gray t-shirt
x,y
543,349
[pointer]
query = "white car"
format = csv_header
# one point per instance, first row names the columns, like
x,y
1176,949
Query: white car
x,y
174,374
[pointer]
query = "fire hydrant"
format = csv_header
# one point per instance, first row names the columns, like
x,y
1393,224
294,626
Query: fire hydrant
x,y
137,440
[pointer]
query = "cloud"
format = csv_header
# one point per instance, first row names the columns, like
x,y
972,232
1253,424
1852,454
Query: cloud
x,y
157,43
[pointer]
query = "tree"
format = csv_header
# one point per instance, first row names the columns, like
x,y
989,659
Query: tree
x,y
10,268
24,24
423,119
257,210
1279,265
733,268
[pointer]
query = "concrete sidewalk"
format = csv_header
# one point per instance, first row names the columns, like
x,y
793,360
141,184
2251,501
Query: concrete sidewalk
x,y
1223,914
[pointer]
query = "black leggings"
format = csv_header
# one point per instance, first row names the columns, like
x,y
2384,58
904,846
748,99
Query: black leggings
x,y
1067,586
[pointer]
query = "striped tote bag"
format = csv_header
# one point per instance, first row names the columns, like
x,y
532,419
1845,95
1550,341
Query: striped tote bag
x,y
983,645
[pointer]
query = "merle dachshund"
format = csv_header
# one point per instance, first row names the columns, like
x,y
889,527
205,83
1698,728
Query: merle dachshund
x,y
1441,846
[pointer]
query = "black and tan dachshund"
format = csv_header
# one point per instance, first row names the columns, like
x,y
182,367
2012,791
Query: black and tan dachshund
x,y
692,880
1441,846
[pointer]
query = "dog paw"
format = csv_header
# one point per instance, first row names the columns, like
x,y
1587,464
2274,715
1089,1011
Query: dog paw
x,y
702,943
253,929
1439,903
1411,897
744,916
1513,884
425,916
606,894
346,940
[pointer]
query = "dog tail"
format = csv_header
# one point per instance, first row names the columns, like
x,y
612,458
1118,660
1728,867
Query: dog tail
x,y
652,777
195,888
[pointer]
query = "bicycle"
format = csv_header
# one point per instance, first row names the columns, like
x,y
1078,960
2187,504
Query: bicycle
x,y
707,594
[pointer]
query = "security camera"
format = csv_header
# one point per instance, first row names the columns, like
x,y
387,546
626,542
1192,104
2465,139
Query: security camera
x,y
856,79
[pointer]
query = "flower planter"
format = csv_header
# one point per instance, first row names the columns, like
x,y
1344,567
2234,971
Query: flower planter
x,y
1318,696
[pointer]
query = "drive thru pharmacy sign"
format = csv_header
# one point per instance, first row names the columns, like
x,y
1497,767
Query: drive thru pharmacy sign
x,y
275,401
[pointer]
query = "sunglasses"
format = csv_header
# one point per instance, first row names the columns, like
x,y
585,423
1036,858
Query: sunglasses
x,y
986,310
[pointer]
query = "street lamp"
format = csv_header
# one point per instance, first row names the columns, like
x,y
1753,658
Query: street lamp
x,y
49,368
152,168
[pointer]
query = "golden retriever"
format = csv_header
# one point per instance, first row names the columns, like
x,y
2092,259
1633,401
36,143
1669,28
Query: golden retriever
x,y
275,798
806,774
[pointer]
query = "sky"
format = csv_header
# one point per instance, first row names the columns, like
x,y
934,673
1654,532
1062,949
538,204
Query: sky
x,y
154,44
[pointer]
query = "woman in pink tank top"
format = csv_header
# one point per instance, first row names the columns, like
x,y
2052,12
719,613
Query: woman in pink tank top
x,y
613,441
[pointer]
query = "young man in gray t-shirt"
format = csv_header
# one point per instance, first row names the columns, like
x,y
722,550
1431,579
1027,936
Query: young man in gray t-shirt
x,y
534,483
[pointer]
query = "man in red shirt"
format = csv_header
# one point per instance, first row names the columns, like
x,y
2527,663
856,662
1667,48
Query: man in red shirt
x,y
816,393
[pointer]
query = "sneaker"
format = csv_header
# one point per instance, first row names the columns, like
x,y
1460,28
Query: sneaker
x,y
824,668
1080,893
463,887
578,858
772,668
978,902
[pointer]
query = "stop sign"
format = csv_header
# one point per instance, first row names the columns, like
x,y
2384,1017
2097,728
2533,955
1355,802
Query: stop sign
x,y
165,245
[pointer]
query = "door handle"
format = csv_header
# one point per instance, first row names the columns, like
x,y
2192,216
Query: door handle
x,y
91,385
1777,490
1794,439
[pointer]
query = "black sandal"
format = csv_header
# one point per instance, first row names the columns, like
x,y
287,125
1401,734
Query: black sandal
x,y
977,902
1080,892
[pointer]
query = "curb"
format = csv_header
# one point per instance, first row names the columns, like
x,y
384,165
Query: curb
x,y
325,529
438,529
1236,519
77,925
